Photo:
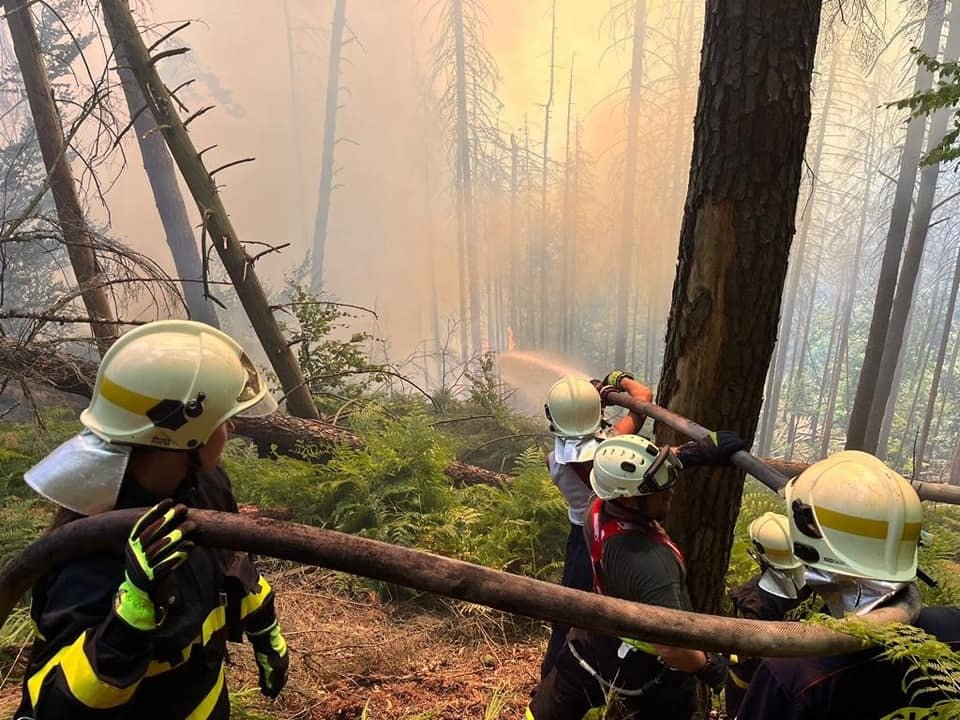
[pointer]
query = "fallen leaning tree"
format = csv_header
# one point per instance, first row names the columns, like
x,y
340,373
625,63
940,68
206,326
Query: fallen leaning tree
x,y
44,364
451,578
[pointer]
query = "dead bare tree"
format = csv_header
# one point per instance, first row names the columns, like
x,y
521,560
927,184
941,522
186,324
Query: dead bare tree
x,y
886,286
215,221
166,192
61,181
327,167
465,76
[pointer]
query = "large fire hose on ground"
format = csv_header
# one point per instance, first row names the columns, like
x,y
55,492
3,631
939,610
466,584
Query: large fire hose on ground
x,y
451,578
776,481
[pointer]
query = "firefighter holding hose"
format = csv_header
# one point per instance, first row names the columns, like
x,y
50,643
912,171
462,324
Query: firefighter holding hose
x,y
141,632
574,410
633,558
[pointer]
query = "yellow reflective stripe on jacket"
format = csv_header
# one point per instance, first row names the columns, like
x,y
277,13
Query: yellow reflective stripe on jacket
x,y
209,702
737,680
81,679
528,715
216,621
255,600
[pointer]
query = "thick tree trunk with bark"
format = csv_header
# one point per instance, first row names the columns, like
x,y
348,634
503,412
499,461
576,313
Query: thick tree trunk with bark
x,y
214,216
53,148
863,401
628,216
166,192
753,114
329,144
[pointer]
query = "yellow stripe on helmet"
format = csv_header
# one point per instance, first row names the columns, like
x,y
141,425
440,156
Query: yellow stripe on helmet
x,y
862,527
125,399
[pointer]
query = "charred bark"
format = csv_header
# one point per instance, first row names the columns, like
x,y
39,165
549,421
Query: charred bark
x,y
753,114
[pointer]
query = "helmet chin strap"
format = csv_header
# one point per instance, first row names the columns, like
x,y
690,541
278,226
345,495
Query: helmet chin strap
x,y
191,481
845,594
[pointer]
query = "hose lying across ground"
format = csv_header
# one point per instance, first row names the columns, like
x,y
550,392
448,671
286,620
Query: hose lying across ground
x,y
451,578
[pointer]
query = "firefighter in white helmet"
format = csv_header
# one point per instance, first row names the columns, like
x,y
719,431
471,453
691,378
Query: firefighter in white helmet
x,y
574,409
633,558
141,633
770,595
855,524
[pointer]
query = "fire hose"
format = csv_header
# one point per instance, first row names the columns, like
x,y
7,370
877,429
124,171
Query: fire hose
x,y
776,481
451,578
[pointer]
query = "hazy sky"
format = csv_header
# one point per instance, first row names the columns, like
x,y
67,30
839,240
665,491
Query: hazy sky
x,y
375,252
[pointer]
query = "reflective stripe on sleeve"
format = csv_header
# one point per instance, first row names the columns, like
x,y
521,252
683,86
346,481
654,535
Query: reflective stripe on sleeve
x,y
81,679
255,600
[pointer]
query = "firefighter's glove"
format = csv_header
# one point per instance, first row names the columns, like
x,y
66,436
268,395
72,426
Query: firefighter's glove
x,y
714,449
158,544
616,378
714,672
270,652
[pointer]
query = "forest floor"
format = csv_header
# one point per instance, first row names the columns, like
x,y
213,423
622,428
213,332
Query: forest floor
x,y
354,656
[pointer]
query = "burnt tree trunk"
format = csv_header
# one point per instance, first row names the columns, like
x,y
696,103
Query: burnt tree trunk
x,y
216,222
628,216
750,130
327,167
166,192
53,148
566,263
466,217
863,401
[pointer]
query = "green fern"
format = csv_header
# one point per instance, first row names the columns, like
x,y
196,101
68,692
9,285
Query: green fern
x,y
932,668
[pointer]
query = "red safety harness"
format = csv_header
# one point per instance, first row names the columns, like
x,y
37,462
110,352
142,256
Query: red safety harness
x,y
602,528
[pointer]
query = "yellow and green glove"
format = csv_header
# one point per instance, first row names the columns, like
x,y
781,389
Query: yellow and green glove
x,y
273,661
158,544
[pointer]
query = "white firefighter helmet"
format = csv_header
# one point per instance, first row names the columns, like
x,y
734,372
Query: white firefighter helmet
x,y
573,407
632,465
853,515
770,534
169,384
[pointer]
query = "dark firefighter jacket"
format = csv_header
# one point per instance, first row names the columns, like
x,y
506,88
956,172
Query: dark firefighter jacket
x,y
750,601
861,685
88,663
